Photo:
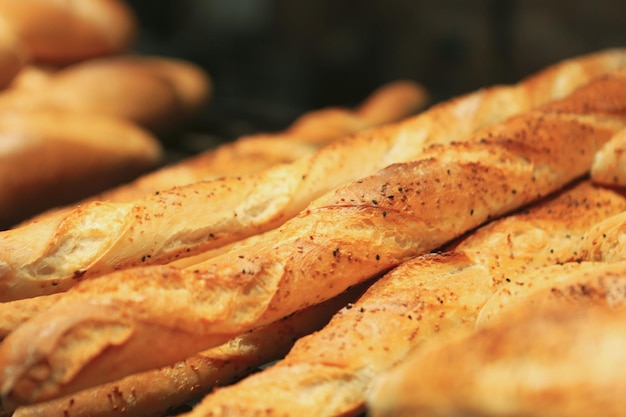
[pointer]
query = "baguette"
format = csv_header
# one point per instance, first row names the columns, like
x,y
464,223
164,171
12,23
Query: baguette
x,y
54,157
63,32
429,297
345,237
609,164
40,258
503,368
154,392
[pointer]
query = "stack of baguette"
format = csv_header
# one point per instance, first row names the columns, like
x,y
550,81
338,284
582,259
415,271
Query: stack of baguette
x,y
405,238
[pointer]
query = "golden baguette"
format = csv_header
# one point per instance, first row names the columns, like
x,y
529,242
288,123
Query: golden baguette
x,y
432,296
154,392
560,353
54,157
343,238
63,32
41,257
609,164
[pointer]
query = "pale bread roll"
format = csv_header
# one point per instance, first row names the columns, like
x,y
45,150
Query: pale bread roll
x,y
159,93
192,84
66,31
343,238
53,157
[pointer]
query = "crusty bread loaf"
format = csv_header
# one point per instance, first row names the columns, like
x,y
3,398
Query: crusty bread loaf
x,y
54,157
430,297
104,328
62,32
153,393
39,258
609,164
560,353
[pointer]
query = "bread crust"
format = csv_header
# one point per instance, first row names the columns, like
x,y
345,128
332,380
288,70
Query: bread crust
x,y
345,237
253,204
504,368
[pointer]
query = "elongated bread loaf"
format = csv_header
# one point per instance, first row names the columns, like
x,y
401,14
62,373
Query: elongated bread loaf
x,y
54,157
63,32
609,164
156,392
330,372
550,356
40,258
345,237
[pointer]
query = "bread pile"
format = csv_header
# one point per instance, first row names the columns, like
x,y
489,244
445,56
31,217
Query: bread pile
x,y
80,112
353,268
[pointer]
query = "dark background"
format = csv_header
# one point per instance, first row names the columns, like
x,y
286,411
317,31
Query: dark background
x,y
272,60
